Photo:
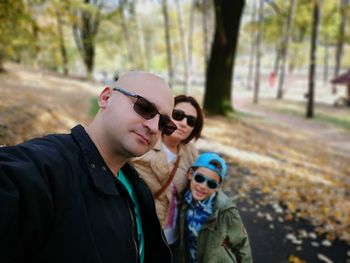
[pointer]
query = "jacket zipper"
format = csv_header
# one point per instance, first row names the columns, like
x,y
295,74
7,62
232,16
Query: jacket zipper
x,y
133,234
166,243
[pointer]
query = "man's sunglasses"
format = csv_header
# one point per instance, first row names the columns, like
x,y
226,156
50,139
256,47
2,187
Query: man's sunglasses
x,y
200,178
179,115
148,110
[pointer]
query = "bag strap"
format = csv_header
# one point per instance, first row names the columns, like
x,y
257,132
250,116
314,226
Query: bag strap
x,y
171,176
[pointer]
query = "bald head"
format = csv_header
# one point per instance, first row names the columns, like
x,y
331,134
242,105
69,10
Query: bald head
x,y
118,129
149,86
134,78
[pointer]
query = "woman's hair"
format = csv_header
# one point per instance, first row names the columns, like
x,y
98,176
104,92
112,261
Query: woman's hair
x,y
197,130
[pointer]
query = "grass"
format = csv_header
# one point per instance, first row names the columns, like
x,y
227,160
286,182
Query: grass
x,y
94,106
322,117
334,120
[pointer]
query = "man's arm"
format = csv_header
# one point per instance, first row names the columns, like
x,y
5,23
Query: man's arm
x,y
26,207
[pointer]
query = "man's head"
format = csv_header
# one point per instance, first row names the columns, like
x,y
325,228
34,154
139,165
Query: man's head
x,y
206,175
121,127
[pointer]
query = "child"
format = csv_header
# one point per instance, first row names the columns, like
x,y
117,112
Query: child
x,y
211,229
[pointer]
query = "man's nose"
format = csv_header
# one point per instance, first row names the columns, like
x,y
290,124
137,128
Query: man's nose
x,y
153,124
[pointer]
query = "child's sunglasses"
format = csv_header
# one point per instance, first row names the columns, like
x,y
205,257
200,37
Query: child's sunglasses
x,y
179,115
200,178
147,110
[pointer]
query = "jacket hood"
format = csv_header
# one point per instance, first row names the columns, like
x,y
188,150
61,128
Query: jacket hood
x,y
224,202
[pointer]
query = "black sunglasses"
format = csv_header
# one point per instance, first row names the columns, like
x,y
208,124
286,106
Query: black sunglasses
x,y
179,115
147,110
200,178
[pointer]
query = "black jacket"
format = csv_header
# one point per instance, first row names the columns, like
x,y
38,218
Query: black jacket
x,y
60,203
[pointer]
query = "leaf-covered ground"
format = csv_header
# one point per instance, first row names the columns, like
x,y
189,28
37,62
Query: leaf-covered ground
x,y
305,177
34,103
295,173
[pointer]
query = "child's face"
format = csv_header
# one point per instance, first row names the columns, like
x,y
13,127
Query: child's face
x,y
201,191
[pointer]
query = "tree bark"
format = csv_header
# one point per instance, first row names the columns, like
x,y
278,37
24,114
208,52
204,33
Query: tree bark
x,y
217,99
325,64
312,71
340,40
190,42
252,49
140,36
85,32
2,68
276,65
168,42
205,13
125,30
258,53
61,43
182,45
285,44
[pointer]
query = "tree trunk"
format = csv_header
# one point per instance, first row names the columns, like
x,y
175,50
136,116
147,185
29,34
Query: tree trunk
x,y
276,65
311,93
126,30
258,53
140,37
2,68
61,43
285,43
190,42
325,65
340,40
168,42
182,45
205,13
252,50
217,99
85,32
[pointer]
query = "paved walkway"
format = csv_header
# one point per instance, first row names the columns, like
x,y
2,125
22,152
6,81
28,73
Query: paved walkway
x,y
336,138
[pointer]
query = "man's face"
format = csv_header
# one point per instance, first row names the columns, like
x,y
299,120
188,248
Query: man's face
x,y
125,132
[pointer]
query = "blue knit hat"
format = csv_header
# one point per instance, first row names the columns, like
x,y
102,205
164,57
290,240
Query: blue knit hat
x,y
213,162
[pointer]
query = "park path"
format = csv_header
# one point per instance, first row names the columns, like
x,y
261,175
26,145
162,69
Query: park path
x,y
336,138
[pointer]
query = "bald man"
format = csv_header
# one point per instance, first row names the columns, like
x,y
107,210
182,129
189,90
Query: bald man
x,y
74,197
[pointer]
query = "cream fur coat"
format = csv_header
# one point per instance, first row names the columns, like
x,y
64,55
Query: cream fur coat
x,y
154,170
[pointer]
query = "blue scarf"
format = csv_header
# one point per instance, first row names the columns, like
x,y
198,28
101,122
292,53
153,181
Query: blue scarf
x,y
196,215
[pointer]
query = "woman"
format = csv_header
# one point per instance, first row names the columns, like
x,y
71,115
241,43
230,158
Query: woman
x,y
164,168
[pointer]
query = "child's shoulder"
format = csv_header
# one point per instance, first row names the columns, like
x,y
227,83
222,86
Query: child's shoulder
x,y
226,200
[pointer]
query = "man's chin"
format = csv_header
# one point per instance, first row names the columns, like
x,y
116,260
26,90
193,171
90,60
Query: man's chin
x,y
139,151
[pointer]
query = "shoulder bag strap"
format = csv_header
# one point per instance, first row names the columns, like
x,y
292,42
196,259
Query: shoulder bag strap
x,y
171,176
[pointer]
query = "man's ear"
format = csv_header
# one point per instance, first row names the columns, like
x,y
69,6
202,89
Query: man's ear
x,y
104,96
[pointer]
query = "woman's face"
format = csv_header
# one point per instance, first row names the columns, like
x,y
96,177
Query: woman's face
x,y
183,128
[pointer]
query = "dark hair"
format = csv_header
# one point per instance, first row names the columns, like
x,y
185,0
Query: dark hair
x,y
197,130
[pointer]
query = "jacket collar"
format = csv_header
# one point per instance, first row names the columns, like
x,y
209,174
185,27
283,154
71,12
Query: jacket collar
x,y
158,147
222,202
101,175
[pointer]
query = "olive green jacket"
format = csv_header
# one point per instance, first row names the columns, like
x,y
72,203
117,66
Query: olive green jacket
x,y
222,237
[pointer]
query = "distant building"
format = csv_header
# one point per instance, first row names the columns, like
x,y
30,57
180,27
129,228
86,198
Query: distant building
x,y
345,80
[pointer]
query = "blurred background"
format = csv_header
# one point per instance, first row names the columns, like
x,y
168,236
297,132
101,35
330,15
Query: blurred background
x,y
273,77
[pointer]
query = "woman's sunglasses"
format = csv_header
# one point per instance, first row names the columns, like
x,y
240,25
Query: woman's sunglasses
x,y
200,178
179,115
147,110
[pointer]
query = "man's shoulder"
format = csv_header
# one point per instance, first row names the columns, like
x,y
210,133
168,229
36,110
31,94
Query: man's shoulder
x,y
44,149
52,143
